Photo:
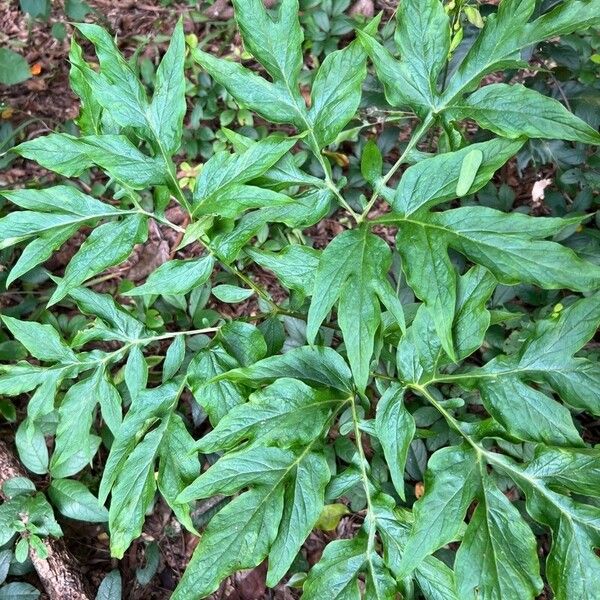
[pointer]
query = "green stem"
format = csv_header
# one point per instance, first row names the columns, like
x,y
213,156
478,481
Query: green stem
x,y
173,334
330,183
414,140
365,478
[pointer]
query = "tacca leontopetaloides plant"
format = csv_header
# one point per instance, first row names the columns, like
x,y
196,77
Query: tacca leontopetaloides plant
x,y
293,431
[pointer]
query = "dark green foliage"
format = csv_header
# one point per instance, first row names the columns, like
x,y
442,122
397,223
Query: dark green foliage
x,y
382,354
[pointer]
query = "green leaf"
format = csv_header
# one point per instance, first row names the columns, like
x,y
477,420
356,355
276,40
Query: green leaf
x,y
252,91
14,68
423,251
117,322
20,378
133,493
31,445
312,364
434,577
472,318
22,225
18,591
167,108
236,470
224,169
295,266
39,250
136,372
506,244
283,173
74,500
70,156
545,355
266,468
514,111
572,564
5,558
237,538
303,504
371,162
145,574
276,43
528,413
178,467
232,200
306,210
116,87
80,77
17,486
418,352
473,231
468,171
435,180
106,246
307,476
336,93
498,555
509,31
395,76
110,404
287,486
287,411
37,9
75,446
395,428
423,38
358,284
217,398
243,341
42,341
451,483
77,9
174,358
148,407
336,575
176,277
576,470
40,517
111,587
563,19
231,294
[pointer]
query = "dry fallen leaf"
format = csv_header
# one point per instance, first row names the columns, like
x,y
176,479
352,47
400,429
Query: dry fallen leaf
x,y
419,490
338,157
537,193
363,7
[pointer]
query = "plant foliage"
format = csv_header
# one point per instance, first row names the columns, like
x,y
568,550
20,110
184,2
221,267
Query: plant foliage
x,y
388,361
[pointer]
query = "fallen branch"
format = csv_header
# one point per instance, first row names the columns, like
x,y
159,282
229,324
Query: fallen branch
x,y
59,573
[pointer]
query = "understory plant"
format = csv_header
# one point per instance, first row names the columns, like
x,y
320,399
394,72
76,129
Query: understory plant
x,y
393,369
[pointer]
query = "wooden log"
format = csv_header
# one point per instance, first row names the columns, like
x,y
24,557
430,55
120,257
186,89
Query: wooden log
x,y
59,573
